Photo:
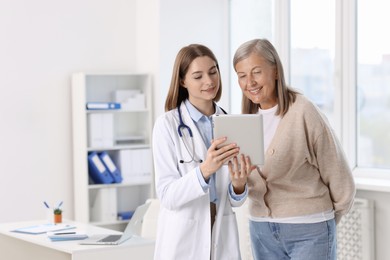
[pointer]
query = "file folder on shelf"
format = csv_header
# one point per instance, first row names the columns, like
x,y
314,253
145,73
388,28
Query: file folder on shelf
x,y
135,164
111,167
97,171
100,130
104,206
103,105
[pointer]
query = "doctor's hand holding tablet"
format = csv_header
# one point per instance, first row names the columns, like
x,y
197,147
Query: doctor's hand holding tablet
x,y
215,157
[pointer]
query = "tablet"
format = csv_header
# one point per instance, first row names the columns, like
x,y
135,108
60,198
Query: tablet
x,y
246,130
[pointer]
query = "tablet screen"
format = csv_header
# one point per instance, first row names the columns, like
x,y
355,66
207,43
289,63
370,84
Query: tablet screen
x,y
246,130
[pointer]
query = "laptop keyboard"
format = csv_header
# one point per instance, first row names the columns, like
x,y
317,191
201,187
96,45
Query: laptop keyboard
x,y
110,238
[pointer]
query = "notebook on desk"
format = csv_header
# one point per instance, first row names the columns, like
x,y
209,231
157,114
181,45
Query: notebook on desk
x,y
116,239
43,228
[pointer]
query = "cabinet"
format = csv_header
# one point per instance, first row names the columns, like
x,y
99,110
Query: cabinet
x,y
127,133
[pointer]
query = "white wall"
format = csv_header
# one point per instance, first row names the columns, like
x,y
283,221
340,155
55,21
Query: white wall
x,y
186,22
42,43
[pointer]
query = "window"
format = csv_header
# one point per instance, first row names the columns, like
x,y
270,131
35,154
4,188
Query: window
x,y
312,51
338,55
373,84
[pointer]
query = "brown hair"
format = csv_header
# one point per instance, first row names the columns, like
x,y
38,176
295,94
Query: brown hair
x,y
262,47
177,93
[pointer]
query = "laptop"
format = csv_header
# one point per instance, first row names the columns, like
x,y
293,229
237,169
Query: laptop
x,y
244,129
132,229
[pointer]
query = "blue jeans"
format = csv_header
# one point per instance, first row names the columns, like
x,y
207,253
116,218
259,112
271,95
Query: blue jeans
x,y
278,241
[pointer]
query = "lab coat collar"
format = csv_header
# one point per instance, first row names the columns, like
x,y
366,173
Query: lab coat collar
x,y
195,114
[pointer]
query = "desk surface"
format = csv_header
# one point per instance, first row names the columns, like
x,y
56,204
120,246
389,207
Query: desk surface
x,y
73,247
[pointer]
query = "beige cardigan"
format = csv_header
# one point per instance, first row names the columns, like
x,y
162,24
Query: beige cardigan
x,y
305,170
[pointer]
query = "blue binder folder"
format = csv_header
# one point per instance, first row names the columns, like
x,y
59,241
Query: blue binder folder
x,y
97,171
102,105
110,166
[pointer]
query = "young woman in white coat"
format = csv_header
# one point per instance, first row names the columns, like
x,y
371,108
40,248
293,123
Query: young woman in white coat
x,y
195,189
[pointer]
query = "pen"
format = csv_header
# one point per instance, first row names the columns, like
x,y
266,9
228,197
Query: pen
x,y
59,205
47,206
65,233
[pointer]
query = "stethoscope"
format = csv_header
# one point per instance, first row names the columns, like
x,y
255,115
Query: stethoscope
x,y
180,129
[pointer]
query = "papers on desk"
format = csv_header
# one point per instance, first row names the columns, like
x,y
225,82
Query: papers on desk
x,y
65,236
43,228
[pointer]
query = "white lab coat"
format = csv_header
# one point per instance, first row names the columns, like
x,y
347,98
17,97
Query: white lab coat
x,y
184,216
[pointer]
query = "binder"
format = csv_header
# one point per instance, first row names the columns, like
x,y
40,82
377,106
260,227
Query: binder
x,y
104,205
135,164
97,171
103,105
125,215
100,130
111,167
108,129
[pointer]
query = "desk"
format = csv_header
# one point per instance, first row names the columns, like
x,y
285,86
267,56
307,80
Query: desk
x,y
17,246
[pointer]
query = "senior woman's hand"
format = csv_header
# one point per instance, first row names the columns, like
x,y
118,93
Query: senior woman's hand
x,y
239,172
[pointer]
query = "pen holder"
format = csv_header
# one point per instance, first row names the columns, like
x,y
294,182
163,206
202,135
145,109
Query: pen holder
x,y
57,216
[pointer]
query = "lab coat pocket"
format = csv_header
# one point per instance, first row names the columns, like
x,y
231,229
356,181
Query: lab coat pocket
x,y
228,247
180,237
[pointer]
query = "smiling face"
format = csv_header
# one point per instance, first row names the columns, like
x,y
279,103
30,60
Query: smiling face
x,y
202,81
257,80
